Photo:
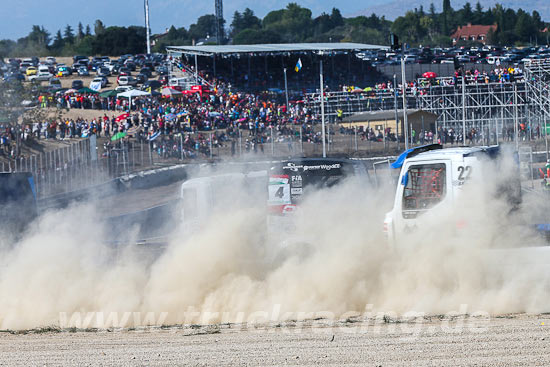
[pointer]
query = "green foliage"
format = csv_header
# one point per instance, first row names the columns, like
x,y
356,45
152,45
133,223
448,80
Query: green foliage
x,y
119,41
205,26
256,36
80,31
173,37
99,27
246,20
6,48
68,35
292,23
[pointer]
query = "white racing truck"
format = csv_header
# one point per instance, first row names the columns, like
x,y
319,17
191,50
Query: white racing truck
x,y
432,177
203,195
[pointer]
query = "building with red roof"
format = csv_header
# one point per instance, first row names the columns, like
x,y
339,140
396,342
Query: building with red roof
x,y
475,33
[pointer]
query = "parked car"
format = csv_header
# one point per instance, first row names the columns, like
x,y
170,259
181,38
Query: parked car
x,y
162,70
124,88
54,82
77,84
31,70
42,75
141,78
151,83
130,65
163,79
80,57
23,67
125,71
12,77
103,71
83,71
126,80
101,80
64,70
146,71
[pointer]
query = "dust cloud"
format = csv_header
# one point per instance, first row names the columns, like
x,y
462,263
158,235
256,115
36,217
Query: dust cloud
x,y
336,261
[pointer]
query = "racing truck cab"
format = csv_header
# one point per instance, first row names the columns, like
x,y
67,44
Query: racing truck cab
x,y
432,177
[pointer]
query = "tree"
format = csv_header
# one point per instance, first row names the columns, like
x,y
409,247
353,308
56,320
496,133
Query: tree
x,y
237,23
246,20
336,18
39,36
293,23
68,35
446,14
467,13
432,11
80,31
537,21
6,48
99,27
119,40
205,26
255,36
88,31
322,24
58,42
478,14
525,28
409,27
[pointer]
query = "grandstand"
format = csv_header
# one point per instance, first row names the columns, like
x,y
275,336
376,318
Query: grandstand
x,y
260,67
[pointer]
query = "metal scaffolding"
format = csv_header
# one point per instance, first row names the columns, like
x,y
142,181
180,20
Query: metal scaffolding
x,y
496,109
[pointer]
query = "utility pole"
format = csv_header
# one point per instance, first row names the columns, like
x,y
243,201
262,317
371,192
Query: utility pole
x,y
147,27
404,85
463,110
286,89
516,121
322,107
196,71
395,107
219,21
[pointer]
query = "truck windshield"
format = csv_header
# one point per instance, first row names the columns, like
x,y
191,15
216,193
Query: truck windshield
x,y
425,186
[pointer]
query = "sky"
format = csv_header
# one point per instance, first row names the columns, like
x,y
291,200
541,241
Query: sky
x,y
17,17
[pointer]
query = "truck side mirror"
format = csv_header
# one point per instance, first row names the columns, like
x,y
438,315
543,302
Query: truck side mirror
x,y
405,179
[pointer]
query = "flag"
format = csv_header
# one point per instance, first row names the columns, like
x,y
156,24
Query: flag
x,y
298,66
122,117
95,86
118,135
154,136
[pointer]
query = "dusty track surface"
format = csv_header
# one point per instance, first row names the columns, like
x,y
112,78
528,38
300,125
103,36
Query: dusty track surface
x,y
501,341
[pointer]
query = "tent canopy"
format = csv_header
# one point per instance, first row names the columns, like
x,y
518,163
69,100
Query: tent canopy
x,y
133,93
169,92
108,93
87,90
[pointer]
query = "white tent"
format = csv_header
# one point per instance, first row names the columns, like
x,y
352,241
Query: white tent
x,y
169,92
132,93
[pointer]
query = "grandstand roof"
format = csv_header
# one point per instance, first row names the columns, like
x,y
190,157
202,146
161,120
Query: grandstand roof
x,y
208,50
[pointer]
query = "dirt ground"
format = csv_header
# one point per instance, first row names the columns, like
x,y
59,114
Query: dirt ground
x,y
500,341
